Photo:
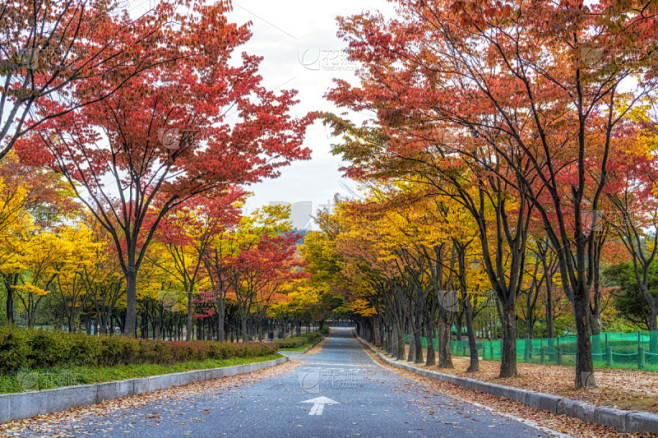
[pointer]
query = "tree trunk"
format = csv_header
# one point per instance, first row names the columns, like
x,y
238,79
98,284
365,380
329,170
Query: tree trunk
x,y
527,354
10,281
245,334
445,357
399,338
458,323
377,340
30,311
221,334
508,359
190,315
418,357
550,323
389,339
429,335
129,328
474,366
595,325
653,328
584,363
412,343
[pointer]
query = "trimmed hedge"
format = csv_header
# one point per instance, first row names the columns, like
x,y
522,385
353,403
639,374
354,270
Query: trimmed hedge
x,y
301,340
22,348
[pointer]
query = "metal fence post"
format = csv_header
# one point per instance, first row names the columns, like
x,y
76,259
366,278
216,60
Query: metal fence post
x,y
640,352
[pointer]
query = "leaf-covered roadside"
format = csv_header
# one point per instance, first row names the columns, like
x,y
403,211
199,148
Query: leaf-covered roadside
x,y
66,423
79,375
623,389
560,423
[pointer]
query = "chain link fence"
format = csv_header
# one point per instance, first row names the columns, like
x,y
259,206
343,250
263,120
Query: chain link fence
x,y
638,350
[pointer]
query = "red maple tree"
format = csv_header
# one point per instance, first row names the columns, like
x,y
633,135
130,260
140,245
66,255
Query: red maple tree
x,y
198,125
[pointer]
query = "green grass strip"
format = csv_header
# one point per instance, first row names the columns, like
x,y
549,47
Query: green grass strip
x,y
32,380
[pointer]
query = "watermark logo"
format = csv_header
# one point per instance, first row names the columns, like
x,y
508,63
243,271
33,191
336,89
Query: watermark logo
x,y
326,60
170,138
587,379
176,138
28,381
28,58
591,56
36,380
169,299
309,381
448,300
592,220
327,378
595,220
142,7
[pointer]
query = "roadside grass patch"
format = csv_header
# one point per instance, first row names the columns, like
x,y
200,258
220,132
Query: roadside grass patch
x,y
55,377
298,343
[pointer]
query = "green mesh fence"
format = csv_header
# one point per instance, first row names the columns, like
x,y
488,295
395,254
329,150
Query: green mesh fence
x,y
637,350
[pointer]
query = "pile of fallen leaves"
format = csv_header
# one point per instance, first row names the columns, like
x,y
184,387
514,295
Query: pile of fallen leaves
x,y
51,424
560,423
623,389
316,348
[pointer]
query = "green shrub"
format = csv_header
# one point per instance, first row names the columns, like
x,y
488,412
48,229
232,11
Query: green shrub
x,y
25,348
220,350
301,340
14,349
83,350
154,352
311,337
118,350
47,349
294,342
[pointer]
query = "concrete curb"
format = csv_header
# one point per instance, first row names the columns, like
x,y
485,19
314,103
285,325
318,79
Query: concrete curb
x,y
305,350
623,421
18,406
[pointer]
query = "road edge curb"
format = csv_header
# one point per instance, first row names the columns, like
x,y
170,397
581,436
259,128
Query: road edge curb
x,y
22,405
622,421
304,351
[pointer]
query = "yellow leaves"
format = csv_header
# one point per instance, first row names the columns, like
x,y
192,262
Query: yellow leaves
x,y
269,219
30,288
16,225
299,298
12,202
362,307
60,254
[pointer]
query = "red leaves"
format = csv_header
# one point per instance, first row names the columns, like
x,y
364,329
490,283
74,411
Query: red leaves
x,y
195,124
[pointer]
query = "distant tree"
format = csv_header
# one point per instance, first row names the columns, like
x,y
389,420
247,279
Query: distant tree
x,y
629,300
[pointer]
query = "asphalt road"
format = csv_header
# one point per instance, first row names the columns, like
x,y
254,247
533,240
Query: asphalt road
x,y
353,395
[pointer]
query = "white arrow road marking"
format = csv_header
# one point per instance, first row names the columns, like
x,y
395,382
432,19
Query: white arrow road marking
x,y
318,404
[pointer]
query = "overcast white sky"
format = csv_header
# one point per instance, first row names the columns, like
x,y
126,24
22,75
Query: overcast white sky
x,y
297,39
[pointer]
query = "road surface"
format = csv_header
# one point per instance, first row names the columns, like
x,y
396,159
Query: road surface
x,y
338,392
